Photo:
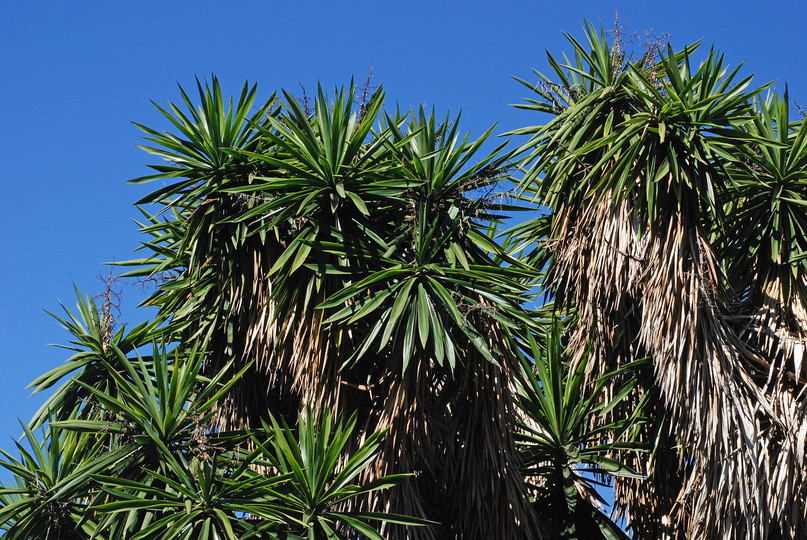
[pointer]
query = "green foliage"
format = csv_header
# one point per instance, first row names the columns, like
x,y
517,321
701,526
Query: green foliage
x,y
768,225
51,490
138,457
321,480
565,439
436,265
343,339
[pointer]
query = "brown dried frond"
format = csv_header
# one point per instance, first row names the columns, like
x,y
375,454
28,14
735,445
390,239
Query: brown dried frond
x,y
598,269
646,504
409,408
486,449
778,327
256,337
450,431
726,421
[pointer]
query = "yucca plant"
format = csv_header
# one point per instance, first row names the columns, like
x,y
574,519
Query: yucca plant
x,y
351,262
93,350
566,440
209,266
292,484
766,250
219,498
636,169
51,487
140,456
322,477
439,303
343,348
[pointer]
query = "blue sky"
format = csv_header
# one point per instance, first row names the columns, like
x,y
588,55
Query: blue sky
x,y
76,74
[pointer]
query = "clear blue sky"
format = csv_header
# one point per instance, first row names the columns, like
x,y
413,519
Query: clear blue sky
x,y
76,74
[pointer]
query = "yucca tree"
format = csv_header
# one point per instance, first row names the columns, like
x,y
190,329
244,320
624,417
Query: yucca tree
x,y
131,450
766,263
567,440
51,489
767,243
440,303
210,266
291,486
649,169
350,260
323,477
